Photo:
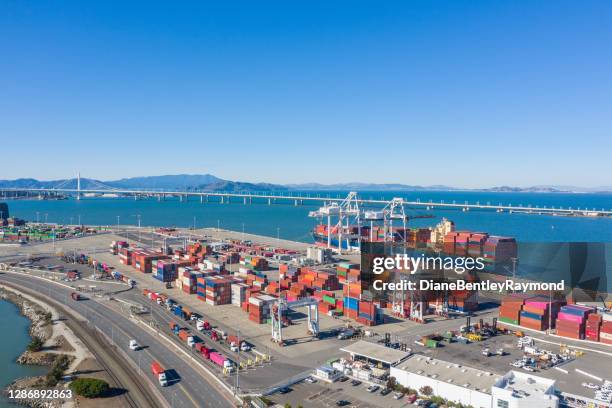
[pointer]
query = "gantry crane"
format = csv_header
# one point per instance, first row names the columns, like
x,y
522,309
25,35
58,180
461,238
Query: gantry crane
x,y
344,211
282,305
394,210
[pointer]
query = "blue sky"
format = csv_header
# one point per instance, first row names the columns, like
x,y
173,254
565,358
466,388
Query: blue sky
x,y
463,93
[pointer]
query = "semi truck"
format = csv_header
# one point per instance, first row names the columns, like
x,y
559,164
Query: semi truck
x,y
235,345
220,360
159,372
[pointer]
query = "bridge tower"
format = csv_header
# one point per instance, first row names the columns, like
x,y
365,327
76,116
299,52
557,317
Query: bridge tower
x,y
78,197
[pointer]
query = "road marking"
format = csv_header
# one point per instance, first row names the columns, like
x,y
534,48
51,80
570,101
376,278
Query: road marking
x,y
210,373
588,374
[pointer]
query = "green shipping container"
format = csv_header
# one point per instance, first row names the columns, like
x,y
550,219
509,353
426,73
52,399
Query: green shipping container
x,y
431,343
507,320
329,299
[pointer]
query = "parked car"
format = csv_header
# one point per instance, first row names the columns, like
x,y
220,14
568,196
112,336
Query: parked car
x,y
355,383
398,395
310,380
385,391
373,388
342,403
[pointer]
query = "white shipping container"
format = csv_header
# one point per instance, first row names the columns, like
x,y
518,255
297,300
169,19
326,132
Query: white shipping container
x,y
267,298
256,301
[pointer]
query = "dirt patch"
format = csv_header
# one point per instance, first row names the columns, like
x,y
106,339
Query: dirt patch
x,y
90,368
62,345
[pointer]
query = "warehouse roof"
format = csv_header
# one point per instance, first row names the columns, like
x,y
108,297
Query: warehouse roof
x,y
451,373
375,352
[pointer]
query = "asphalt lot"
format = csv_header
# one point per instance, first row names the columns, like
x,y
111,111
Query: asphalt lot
x,y
322,394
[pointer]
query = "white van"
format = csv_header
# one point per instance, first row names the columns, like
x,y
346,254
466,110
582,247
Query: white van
x,y
134,345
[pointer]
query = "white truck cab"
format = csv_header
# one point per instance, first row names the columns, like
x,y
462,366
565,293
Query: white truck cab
x,y
191,341
134,345
163,381
228,365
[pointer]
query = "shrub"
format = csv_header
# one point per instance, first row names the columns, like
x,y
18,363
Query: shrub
x,y
56,373
426,390
89,387
48,317
36,344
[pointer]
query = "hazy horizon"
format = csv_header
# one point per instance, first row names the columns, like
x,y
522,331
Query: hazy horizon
x,y
586,187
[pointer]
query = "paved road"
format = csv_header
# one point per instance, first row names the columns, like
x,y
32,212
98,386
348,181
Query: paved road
x,y
121,373
189,386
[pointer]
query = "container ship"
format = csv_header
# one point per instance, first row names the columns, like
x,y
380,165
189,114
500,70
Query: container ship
x,y
443,237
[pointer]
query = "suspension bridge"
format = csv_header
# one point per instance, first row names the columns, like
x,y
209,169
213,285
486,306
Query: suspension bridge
x,y
72,188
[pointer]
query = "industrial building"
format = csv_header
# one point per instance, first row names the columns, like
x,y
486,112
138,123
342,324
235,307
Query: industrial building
x,y
523,390
478,388
375,353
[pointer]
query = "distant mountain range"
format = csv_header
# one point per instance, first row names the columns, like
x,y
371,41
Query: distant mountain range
x,y
208,182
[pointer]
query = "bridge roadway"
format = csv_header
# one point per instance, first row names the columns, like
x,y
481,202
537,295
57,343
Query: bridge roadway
x,y
188,386
299,198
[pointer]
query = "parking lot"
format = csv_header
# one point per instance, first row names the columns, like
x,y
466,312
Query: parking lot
x,y
471,354
322,394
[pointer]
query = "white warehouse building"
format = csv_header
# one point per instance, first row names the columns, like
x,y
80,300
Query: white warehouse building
x,y
478,388
523,390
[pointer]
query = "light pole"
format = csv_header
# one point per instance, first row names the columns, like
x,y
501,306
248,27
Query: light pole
x,y
117,223
514,260
37,214
237,380
218,226
138,218
243,232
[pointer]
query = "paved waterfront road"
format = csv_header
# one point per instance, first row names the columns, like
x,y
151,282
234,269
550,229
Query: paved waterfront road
x,y
188,385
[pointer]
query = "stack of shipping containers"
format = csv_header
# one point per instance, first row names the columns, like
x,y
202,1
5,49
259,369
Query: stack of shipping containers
x,y
571,321
218,290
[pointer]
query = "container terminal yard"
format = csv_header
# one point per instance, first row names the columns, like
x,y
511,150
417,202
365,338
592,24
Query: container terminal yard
x,y
219,318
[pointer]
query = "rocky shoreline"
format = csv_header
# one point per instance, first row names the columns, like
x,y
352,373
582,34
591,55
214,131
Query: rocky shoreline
x,y
41,328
